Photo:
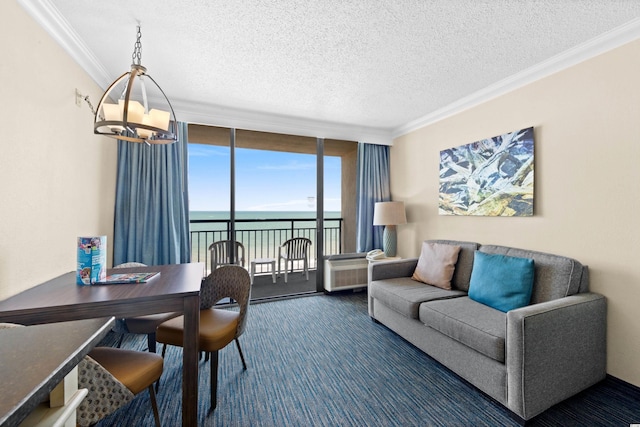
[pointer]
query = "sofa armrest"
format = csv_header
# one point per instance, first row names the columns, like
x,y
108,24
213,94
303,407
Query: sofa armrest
x,y
554,350
382,270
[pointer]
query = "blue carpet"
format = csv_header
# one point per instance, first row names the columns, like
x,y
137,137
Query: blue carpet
x,y
321,361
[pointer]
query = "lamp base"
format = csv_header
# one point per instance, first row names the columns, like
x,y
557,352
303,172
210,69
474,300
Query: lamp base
x,y
389,241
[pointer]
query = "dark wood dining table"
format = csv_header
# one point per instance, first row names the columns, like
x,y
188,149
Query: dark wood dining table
x,y
176,288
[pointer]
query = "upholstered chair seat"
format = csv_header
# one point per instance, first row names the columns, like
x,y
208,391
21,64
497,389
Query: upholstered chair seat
x,y
217,329
135,370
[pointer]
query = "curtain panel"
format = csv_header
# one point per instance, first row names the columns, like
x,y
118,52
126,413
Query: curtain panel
x,y
152,210
373,185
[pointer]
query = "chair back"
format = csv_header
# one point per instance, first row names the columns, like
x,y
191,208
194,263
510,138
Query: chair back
x,y
221,250
130,264
297,248
105,393
228,281
9,325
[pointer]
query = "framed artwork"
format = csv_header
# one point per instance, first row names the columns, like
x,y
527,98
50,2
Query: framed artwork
x,y
490,177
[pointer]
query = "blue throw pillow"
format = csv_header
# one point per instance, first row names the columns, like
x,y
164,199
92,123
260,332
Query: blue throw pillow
x,y
502,282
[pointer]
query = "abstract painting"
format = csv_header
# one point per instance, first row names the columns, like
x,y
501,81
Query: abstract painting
x,y
490,177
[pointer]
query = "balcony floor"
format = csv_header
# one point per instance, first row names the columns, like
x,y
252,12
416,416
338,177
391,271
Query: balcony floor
x,y
264,288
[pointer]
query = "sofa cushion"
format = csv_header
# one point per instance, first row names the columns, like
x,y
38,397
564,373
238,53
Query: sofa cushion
x,y
502,282
436,264
404,295
555,276
475,325
462,273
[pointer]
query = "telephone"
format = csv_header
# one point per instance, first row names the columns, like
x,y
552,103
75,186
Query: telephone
x,y
375,255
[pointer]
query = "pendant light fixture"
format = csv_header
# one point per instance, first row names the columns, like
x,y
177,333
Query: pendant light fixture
x,y
134,108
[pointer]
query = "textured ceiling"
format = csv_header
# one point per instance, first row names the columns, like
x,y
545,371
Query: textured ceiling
x,y
366,64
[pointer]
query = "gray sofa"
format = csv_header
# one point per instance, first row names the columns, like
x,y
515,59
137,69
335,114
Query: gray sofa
x,y
527,359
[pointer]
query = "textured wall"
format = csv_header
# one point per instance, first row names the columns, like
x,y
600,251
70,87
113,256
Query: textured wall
x,y
587,180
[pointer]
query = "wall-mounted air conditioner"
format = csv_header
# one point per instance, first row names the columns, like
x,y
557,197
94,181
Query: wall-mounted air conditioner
x,y
345,271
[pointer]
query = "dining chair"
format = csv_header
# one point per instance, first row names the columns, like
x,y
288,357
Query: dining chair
x,y
295,249
221,253
218,327
143,325
113,376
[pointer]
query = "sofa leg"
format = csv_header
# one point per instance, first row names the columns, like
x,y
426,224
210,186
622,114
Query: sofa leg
x,y
518,419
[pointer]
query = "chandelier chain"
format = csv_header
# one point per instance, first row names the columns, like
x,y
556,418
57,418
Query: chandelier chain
x,y
93,110
136,57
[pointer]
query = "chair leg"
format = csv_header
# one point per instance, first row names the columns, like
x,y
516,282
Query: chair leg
x,y
164,350
120,340
154,405
273,271
214,379
286,270
151,342
244,365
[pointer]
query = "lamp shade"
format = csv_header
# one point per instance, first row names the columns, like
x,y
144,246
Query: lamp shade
x,y
389,213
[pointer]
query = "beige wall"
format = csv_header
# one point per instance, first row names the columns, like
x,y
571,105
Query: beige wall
x,y
587,183
57,179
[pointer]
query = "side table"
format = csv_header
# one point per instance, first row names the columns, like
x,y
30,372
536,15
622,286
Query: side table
x,y
260,261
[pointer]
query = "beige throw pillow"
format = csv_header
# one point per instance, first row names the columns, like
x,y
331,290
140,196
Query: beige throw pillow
x,y
436,264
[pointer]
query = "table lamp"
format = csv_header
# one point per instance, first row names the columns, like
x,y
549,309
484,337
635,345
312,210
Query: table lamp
x,y
389,214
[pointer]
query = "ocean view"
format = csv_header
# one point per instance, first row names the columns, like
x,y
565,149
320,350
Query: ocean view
x,y
261,232
261,215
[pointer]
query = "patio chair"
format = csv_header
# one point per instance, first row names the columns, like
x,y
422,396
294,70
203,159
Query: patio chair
x,y
220,252
295,249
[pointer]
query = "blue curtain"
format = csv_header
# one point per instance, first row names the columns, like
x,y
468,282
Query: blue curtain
x,y
152,210
373,186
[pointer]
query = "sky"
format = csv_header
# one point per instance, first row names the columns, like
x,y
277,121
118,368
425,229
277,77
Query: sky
x,y
265,180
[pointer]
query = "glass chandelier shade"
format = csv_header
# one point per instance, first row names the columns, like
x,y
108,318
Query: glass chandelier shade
x,y
134,108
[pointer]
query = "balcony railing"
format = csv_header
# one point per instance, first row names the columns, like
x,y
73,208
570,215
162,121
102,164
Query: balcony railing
x,y
262,237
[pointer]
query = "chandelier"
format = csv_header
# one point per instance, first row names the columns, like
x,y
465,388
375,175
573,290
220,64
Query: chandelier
x,y
134,108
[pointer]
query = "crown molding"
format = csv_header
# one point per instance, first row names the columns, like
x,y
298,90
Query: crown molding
x,y
594,47
49,18
217,115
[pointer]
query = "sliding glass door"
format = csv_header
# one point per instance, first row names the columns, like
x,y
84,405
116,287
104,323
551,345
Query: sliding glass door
x,y
275,202
263,189
209,193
